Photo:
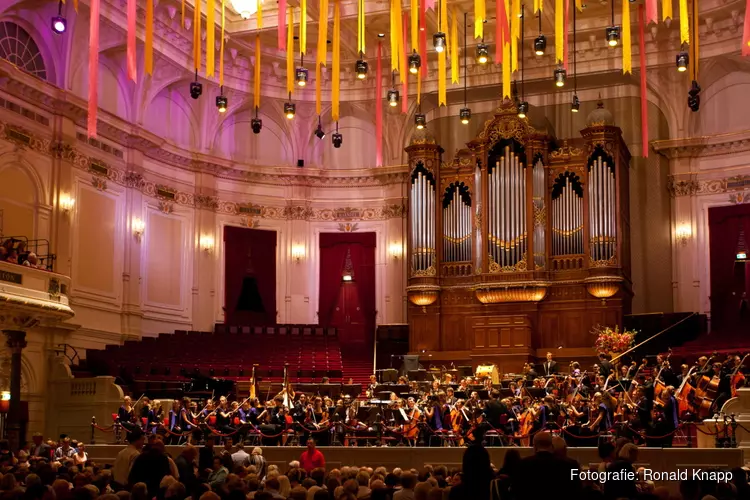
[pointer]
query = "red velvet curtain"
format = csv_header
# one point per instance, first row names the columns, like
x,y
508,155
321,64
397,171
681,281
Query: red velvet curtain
x,y
333,250
730,280
249,276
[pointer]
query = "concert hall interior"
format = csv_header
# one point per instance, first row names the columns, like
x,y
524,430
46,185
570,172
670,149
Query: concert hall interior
x,y
436,222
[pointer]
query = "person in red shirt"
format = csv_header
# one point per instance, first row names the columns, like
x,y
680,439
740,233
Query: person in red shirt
x,y
312,458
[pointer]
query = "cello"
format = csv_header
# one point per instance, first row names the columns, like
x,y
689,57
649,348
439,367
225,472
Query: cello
x,y
738,376
659,385
685,394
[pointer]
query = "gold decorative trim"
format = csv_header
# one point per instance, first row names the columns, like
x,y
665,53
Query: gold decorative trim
x,y
517,292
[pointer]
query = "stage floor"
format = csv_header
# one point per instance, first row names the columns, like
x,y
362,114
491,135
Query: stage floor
x,y
657,459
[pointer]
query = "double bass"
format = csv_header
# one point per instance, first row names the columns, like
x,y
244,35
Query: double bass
x,y
738,377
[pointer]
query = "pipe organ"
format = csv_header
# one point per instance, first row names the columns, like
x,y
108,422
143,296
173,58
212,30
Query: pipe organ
x,y
526,249
457,224
506,177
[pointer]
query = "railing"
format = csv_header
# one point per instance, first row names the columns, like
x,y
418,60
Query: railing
x,y
39,246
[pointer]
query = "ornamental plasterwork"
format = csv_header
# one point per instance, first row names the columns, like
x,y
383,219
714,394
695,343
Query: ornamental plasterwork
x,y
504,125
136,181
708,187
740,198
693,147
681,187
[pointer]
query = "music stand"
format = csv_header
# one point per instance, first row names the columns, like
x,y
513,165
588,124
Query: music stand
x,y
411,362
465,371
389,376
417,375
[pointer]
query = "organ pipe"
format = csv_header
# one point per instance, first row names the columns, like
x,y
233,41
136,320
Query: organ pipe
x,y
507,210
457,228
567,219
602,203
423,221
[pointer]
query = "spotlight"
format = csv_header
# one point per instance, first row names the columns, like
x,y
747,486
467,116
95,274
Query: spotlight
x,y
59,23
420,120
683,59
221,102
540,44
393,98
337,139
319,131
613,35
289,109
438,41
575,104
415,62
256,124
560,77
301,76
523,108
465,115
483,53
361,69
196,89
694,98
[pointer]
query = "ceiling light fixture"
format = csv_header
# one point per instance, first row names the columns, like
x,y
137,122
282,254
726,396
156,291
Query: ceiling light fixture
x,y
575,103
301,72
196,88
256,123
337,138
613,31
59,23
245,8
522,108
361,67
415,62
289,108
465,113
540,42
483,53
420,120
393,91
438,41
560,76
319,133
221,101
683,59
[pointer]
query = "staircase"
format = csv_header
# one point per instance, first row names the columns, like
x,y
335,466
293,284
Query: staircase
x,y
356,360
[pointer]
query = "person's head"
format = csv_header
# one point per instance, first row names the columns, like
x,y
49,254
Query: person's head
x,y
190,452
139,491
257,451
543,442
549,356
137,439
127,400
629,453
363,478
606,451
209,443
560,447
272,484
310,444
512,459
285,486
37,438
217,463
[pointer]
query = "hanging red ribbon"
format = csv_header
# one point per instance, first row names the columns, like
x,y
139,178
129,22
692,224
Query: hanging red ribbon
x,y
423,37
746,34
651,12
131,61
405,73
93,67
379,109
282,24
502,30
644,97
565,48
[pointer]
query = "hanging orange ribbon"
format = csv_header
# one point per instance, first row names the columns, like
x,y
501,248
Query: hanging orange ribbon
x,y
379,107
443,21
405,74
480,15
210,37
303,27
131,56
396,33
148,57
93,68
221,49
336,64
627,47
423,37
746,32
256,82
197,36
290,50
666,9
684,23
454,47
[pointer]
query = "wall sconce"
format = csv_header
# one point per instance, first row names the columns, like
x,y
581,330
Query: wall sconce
x,y
207,243
66,203
395,249
683,233
138,227
298,253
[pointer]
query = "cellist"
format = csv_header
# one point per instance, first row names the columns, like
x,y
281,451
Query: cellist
x,y
411,427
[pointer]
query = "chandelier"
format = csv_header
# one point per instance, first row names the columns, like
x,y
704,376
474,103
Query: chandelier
x,y
245,8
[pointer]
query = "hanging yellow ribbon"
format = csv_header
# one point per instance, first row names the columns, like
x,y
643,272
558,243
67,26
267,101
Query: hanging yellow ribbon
x,y
579,5
75,5
506,70
443,14
454,47
684,23
336,65
290,50
221,46
515,31
322,33
148,56
539,5
183,14
210,34
627,60
318,90
256,83
414,24
666,9
197,36
480,15
361,26
303,26
259,13
560,31
397,33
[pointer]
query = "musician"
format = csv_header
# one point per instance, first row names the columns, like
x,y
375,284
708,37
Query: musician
x,y
174,423
724,391
448,379
434,414
371,386
450,398
435,388
126,415
473,401
411,427
299,409
463,385
188,416
605,365
704,369
624,382
549,367
604,416
149,418
684,371
496,412
224,417
671,420
273,420
317,420
529,372
644,407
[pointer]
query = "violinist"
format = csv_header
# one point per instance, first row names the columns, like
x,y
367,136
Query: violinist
x,y
724,391
623,383
529,372
299,409
126,415
188,416
224,417
463,386
272,420
174,422
435,388
448,379
316,421
149,417
434,413
603,416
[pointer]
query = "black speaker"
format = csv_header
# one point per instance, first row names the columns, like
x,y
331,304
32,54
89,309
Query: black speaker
x,y
301,163
411,362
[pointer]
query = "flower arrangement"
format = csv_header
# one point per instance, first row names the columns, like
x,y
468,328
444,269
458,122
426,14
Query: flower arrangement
x,y
612,341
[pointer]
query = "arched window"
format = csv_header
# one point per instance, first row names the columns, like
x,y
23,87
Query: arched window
x,y
17,46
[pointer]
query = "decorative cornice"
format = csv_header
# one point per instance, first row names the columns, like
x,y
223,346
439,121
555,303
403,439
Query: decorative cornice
x,y
694,187
692,147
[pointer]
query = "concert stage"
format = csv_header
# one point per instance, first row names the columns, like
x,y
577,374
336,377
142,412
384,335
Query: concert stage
x,y
657,459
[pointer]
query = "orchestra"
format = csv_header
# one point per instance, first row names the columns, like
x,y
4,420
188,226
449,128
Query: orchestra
x,y
644,401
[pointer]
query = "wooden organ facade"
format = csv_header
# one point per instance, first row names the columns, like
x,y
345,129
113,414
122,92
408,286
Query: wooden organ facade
x,y
519,244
